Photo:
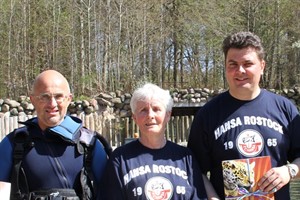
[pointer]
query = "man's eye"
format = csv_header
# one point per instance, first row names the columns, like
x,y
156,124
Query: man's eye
x,y
59,96
248,65
232,65
45,97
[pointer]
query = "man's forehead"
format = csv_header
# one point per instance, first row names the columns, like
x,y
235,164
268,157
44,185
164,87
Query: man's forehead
x,y
241,54
54,89
52,86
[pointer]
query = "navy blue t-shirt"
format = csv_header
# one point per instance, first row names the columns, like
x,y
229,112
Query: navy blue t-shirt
x,y
137,172
227,128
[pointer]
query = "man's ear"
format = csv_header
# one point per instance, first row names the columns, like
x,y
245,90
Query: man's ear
x,y
263,66
32,100
70,97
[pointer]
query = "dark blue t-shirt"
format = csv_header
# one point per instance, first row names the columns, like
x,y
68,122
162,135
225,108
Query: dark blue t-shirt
x,y
227,128
137,172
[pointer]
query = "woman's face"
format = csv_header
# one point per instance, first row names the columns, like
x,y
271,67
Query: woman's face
x,y
151,117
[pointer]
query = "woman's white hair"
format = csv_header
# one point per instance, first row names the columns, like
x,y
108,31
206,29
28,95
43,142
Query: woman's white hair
x,y
151,91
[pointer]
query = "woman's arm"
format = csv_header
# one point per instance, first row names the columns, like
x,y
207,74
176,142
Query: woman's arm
x,y
210,191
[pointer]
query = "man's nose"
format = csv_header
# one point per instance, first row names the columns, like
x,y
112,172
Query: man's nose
x,y
52,100
241,69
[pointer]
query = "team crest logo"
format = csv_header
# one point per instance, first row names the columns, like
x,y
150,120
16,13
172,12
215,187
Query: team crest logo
x,y
250,143
158,188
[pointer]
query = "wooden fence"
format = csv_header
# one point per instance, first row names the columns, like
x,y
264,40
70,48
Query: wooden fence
x,y
115,130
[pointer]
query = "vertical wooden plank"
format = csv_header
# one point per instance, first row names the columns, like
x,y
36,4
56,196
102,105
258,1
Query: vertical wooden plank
x,y
177,131
92,122
2,128
171,129
108,131
6,124
14,121
167,131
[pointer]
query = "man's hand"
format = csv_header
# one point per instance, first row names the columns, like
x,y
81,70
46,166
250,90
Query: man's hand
x,y
274,179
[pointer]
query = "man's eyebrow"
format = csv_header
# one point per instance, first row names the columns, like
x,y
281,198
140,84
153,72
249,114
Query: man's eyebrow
x,y
244,61
233,61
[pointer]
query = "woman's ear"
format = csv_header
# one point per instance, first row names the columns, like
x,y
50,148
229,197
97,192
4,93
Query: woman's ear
x,y
133,117
168,115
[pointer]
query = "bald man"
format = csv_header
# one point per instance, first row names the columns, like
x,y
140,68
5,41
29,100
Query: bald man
x,y
53,155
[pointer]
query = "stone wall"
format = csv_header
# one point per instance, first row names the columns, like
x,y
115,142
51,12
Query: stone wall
x,y
117,103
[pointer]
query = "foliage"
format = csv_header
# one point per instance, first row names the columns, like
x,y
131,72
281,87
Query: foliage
x,y
117,44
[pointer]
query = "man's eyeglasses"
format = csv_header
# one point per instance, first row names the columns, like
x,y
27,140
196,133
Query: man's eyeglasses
x,y
47,97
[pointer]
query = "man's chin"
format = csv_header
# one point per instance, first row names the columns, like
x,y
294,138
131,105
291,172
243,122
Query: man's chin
x,y
54,121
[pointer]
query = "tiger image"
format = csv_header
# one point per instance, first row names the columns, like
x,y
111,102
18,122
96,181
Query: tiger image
x,y
238,176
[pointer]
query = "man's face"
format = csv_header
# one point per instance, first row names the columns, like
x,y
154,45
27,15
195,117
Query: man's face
x,y
51,98
243,72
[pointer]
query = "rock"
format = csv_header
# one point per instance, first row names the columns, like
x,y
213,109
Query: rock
x,y
13,103
116,100
113,94
104,102
183,91
118,93
88,110
105,96
127,101
14,112
119,105
20,109
29,107
4,108
79,107
94,103
127,96
85,103
72,105
191,91
22,98
125,113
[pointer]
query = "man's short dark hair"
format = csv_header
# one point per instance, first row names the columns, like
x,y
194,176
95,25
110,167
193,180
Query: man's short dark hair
x,y
241,40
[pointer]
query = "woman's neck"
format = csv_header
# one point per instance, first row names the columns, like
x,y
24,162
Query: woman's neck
x,y
153,143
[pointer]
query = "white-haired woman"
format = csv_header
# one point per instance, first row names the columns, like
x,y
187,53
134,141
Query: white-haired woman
x,y
152,167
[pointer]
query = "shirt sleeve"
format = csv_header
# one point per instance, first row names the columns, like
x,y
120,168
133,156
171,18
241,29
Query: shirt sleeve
x,y
6,159
199,142
99,161
294,129
196,180
111,185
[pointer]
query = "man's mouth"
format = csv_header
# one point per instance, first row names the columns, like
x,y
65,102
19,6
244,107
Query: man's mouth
x,y
241,79
52,111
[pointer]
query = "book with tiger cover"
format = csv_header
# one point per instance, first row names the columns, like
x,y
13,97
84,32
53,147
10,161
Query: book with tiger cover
x,y
240,178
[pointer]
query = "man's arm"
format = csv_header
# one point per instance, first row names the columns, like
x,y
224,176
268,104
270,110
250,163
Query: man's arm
x,y
99,161
6,159
278,177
